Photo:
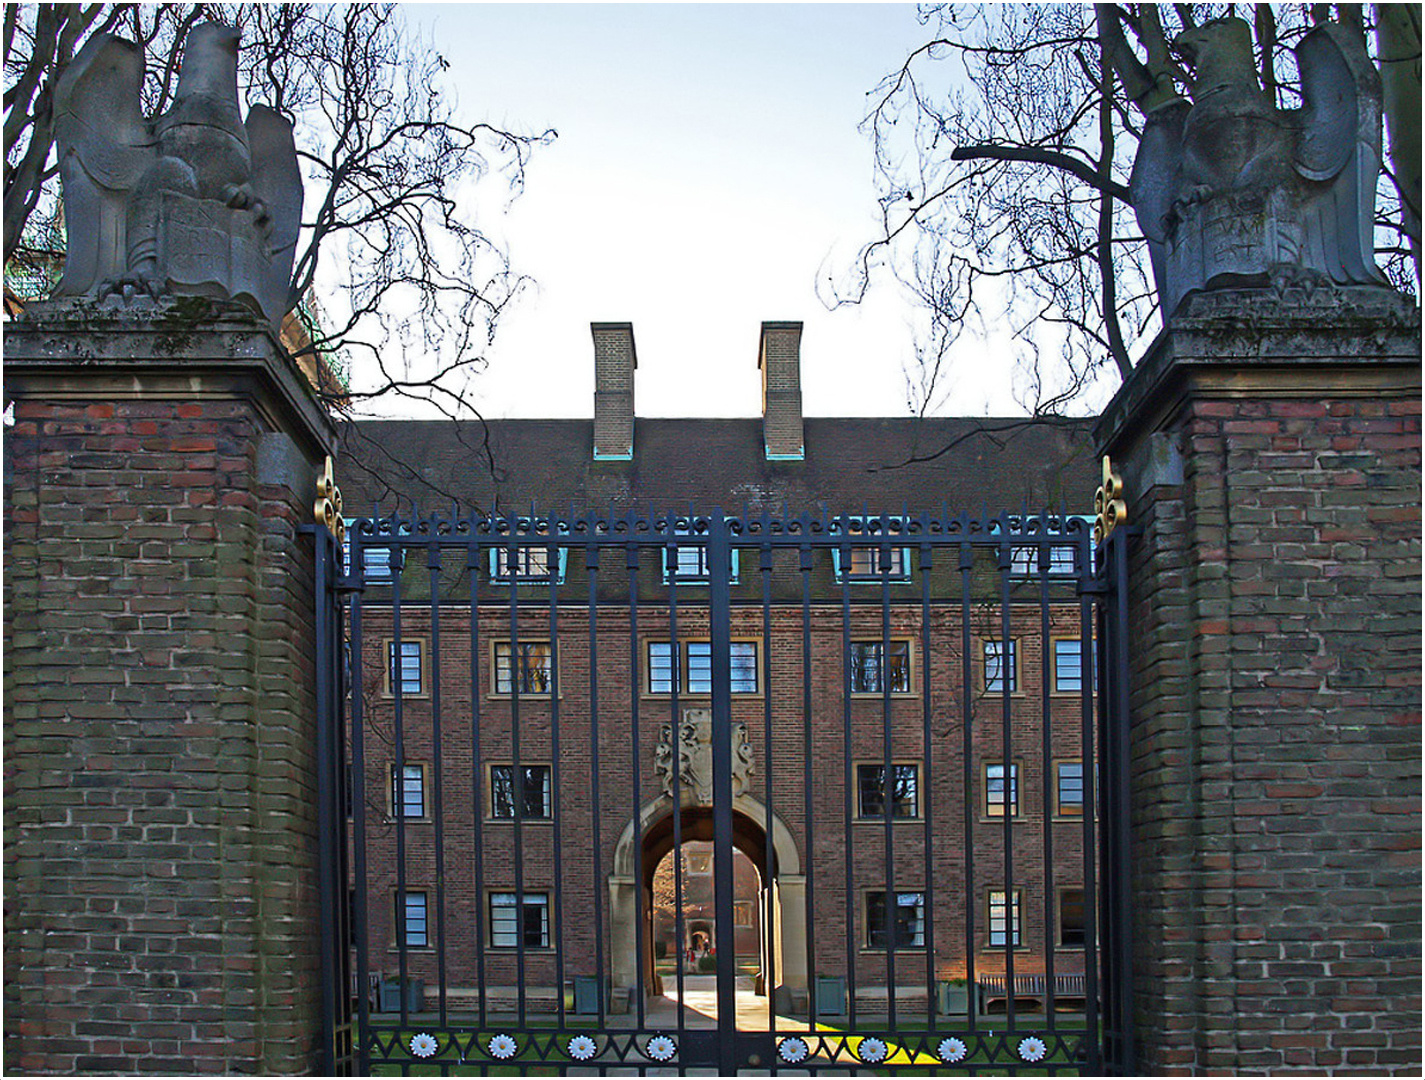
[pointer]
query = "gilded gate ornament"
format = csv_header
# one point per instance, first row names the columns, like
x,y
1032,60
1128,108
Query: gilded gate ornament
x,y
327,508
1110,508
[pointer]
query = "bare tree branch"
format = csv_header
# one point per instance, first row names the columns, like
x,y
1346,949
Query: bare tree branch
x,y
1004,154
394,179
1073,166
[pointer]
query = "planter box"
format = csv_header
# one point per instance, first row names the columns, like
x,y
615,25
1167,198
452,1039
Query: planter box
x,y
389,995
952,999
831,995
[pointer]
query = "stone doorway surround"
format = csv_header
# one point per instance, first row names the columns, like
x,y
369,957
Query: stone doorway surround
x,y
788,925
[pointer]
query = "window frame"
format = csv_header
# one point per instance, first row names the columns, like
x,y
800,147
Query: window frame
x,y
1024,560
1054,642
740,906
1059,895
984,666
681,662
875,922
1013,918
397,777
523,643
523,818
1015,781
881,643
673,572
499,555
900,553
388,689
403,916
394,556
879,816
1059,811
519,901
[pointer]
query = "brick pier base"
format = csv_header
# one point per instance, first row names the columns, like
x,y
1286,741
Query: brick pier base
x,y
160,836
1271,452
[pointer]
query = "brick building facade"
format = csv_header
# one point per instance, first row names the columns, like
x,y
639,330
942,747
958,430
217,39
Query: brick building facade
x,y
885,681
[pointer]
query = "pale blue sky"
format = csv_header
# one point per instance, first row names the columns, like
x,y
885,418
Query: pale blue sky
x,y
708,166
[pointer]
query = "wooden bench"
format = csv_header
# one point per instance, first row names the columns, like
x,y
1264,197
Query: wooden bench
x,y
1031,993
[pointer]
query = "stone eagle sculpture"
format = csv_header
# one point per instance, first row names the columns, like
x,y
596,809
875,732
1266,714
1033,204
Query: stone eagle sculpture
x,y
193,202
1231,191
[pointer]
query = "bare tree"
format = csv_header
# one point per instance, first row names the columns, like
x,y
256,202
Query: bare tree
x,y
1004,146
411,287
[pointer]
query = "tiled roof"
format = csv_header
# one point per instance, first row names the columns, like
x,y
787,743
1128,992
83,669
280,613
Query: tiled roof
x,y
883,465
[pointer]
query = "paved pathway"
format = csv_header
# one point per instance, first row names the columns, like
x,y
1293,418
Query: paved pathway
x,y
700,1006
700,1013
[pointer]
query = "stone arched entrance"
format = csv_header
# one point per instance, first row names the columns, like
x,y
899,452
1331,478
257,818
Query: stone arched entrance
x,y
784,934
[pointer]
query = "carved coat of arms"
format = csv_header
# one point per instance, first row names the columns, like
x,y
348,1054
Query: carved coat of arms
x,y
693,758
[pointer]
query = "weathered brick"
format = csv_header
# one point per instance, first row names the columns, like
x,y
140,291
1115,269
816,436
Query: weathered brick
x,y
1293,840
116,639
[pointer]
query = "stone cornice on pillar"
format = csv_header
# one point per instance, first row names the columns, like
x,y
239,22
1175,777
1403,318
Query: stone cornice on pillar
x,y
1242,343
189,349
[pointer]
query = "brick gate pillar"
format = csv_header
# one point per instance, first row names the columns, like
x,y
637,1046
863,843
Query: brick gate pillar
x,y
160,826
1271,452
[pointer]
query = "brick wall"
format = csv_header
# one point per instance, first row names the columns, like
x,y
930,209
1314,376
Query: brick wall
x,y
838,729
160,904
1272,455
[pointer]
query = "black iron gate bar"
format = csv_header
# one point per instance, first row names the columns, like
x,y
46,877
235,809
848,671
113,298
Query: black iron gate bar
x,y
718,536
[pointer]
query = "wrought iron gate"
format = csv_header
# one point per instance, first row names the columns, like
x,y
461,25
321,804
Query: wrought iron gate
x,y
893,717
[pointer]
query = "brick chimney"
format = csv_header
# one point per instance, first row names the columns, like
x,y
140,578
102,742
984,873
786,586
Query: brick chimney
x,y
779,357
614,363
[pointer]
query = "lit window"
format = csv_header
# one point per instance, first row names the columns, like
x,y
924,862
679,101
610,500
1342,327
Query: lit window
x,y
907,920
534,796
904,798
526,668
875,661
695,677
1000,668
742,913
413,926
408,791
995,791
516,921
404,666
1004,918
1069,781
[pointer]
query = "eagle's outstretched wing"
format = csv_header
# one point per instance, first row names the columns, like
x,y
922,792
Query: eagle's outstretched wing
x,y
1157,178
277,181
1338,147
104,145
